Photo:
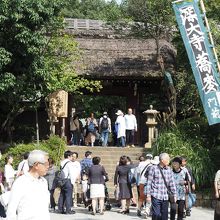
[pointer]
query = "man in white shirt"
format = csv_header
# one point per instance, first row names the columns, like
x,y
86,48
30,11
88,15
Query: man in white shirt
x,y
30,197
66,193
77,167
131,128
23,165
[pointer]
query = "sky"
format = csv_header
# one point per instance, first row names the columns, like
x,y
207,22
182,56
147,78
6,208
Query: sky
x,y
118,1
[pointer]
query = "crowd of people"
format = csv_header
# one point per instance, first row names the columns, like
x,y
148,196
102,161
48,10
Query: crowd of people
x,y
96,131
160,184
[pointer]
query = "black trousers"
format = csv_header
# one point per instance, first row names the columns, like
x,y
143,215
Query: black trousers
x,y
173,208
66,197
129,137
52,200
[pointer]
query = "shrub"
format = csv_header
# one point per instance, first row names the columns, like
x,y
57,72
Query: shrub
x,y
174,143
55,146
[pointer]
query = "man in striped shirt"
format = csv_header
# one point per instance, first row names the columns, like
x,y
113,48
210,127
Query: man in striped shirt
x,y
156,191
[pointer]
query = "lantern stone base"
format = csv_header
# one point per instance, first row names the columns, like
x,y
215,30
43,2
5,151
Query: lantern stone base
x,y
148,145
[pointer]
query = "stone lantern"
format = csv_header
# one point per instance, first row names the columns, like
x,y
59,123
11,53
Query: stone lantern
x,y
151,123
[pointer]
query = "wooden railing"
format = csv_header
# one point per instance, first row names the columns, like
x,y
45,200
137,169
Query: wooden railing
x,y
84,24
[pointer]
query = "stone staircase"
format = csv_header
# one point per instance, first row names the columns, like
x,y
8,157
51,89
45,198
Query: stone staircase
x,y
109,158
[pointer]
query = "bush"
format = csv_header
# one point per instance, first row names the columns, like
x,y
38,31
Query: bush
x,y
55,146
174,143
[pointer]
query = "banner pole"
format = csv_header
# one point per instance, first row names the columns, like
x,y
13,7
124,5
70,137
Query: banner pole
x,y
210,34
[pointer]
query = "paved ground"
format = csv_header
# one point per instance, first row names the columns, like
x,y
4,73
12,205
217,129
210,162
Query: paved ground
x,y
82,214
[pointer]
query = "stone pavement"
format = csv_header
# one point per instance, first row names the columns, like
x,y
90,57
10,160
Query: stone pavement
x,y
82,214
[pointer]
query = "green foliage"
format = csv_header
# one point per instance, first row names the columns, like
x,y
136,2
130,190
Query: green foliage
x,y
62,59
35,59
55,146
93,9
98,104
157,16
174,143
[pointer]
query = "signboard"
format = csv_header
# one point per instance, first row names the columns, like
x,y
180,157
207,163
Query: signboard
x,y
200,53
58,104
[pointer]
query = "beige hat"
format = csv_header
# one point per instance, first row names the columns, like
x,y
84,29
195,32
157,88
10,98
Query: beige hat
x,y
119,112
155,161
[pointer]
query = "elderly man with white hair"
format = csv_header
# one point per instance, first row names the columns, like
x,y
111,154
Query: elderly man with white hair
x,y
160,184
30,197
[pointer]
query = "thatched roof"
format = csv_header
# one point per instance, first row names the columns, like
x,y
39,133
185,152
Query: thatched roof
x,y
123,58
109,55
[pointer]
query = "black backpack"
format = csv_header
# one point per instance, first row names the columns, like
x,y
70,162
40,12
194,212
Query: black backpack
x,y
60,179
104,123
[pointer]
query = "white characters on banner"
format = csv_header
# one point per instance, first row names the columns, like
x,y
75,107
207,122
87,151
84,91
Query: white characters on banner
x,y
188,14
197,40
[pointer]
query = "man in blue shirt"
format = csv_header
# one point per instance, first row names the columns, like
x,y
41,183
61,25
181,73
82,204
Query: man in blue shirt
x,y
86,163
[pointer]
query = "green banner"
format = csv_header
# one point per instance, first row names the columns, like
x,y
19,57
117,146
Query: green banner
x,y
200,53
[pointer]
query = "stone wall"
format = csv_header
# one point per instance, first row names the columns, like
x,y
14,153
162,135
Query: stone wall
x,y
205,200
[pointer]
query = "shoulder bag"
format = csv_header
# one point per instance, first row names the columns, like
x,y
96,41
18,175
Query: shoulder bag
x,y
170,194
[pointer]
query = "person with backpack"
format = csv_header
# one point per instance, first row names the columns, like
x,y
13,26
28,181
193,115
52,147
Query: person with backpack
x,y
69,174
105,128
91,125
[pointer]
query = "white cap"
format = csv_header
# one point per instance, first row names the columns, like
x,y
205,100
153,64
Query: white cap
x,y
156,160
119,112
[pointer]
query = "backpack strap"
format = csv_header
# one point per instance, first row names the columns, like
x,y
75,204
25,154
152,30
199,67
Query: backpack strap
x,y
148,165
61,168
23,166
165,182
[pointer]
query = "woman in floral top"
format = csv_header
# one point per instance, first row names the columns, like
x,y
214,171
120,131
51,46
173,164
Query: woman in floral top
x,y
180,179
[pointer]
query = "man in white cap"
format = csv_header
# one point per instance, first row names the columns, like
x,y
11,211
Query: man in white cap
x,y
120,127
131,127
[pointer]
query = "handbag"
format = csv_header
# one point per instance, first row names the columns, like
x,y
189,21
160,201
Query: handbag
x,y
170,194
191,199
116,193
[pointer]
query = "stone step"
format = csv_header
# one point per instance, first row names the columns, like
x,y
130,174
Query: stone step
x,y
109,158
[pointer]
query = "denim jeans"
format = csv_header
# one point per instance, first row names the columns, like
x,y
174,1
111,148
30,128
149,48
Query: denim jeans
x,y
159,209
104,137
75,137
66,197
121,141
